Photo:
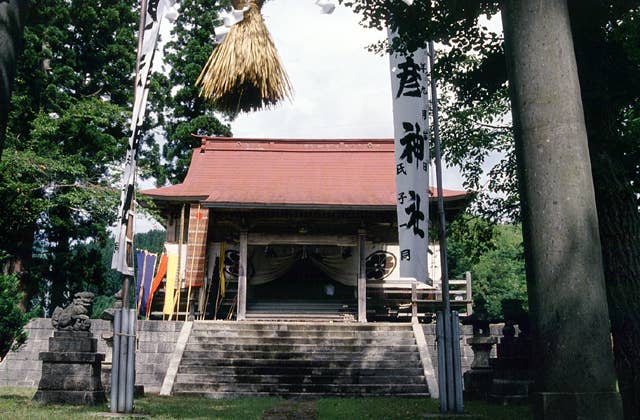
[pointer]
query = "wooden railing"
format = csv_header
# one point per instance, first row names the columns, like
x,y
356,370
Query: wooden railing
x,y
413,299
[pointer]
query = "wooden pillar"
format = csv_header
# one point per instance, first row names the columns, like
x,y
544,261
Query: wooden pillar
x,y
362,278
242,277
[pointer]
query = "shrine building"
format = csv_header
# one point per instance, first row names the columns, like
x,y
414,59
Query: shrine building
x,y
292,229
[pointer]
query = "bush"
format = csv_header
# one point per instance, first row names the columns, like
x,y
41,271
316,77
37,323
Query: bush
x,y
12,318
499,274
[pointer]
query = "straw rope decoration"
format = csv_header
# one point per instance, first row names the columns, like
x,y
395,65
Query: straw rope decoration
x,y
244,72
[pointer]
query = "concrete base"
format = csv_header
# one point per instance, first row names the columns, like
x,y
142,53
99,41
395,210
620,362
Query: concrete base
x,y
577,406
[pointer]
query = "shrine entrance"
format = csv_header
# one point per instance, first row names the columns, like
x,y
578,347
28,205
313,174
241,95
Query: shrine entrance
x,y
317,282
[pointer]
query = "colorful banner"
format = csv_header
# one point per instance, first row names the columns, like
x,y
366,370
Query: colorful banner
x,y
157,280
409,86
146,263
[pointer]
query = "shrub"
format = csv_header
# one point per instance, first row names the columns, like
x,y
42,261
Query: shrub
x,y
12,318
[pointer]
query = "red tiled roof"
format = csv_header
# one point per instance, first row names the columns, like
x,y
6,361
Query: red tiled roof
x,y
290,173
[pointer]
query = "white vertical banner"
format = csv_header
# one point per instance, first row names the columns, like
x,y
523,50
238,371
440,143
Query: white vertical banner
x,y
123,251
409,87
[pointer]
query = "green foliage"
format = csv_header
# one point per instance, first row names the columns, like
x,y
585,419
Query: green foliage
x,y
494,254
13,319
180,109
499,273
100,304
152,241
67,130
468,238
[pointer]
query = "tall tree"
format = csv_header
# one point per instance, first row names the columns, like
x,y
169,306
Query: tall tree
x,y
12,17
179,108
606,35
66,132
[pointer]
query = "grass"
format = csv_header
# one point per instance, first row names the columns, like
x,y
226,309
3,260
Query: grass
x,y
412,408
15,403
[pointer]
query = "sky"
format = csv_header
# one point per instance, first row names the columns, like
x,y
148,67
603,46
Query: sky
x,y
341,90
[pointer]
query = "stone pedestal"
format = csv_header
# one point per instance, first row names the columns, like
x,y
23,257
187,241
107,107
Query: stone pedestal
x,y
512,375
477,381
71,370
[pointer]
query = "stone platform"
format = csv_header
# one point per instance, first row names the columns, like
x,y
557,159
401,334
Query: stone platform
x,y
71,370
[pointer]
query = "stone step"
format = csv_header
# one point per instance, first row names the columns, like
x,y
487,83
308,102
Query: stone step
x,y
369,335
389,349
299,326
301,370
293,363
230,359
363,357
316,341
283,389
241,379
298,395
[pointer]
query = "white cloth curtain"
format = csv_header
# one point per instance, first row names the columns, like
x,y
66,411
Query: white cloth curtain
x,y
339,268
269,266
268,263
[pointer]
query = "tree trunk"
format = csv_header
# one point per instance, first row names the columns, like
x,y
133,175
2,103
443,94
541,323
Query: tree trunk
x,y
20,249
567,296
616,200
12,18
620,232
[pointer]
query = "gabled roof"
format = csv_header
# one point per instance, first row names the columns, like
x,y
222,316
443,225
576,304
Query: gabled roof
x,y
290,173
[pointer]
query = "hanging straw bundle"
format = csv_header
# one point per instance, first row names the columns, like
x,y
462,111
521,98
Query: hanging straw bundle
x,y
244,72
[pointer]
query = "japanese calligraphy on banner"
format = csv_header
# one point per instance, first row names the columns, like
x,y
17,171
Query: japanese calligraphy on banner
x,y
123,251
409,86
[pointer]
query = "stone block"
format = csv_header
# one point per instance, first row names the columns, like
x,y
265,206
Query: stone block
x,y
70,397
70,357
147,347
40,334
146,358
161,364
166,347
76,345
72,382
159,326
577,406
144,368
72,334
40,323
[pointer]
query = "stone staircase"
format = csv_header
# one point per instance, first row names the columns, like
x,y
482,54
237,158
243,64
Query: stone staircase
x,y
300,359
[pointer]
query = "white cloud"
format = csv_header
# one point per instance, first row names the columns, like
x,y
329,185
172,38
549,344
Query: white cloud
x,y
341,90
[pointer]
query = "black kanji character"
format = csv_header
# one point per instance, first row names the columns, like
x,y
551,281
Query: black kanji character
x,y
409,78
413,143
415,215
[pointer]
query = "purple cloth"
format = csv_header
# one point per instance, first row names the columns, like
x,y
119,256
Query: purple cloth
x,y
146,263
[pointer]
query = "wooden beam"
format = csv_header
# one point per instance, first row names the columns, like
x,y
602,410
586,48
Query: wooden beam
x,y
362,278
242,278
292,239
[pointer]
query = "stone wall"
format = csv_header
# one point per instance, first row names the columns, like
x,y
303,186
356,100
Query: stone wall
x,y
466,354
156,341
